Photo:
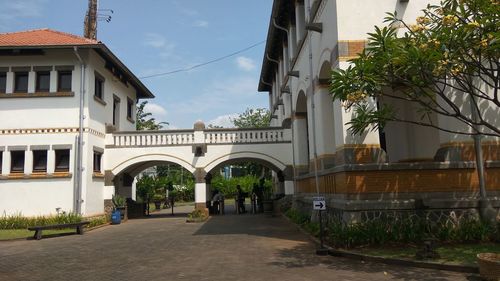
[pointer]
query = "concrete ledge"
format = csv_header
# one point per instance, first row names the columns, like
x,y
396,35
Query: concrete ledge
x,y
403,262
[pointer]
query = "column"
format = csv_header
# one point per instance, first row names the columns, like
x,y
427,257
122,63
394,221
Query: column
x,y
325,130
31,81
5,163
28,162
292,41
9,85
355,149
300,143
300,20
51,161
200,190
53,81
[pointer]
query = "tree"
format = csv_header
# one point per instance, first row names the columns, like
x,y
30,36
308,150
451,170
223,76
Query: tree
x,y
253,118
445,65
144,121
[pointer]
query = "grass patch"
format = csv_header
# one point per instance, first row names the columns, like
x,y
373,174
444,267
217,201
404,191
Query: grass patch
x,y
464,254
8,234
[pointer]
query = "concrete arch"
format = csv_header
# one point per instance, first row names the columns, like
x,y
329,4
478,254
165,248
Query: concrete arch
x,y
301,88
151,158
276,164
324,58
325,70
301,102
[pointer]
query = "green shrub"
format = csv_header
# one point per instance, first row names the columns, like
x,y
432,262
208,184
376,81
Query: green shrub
x,y
297,217
97,220
18,221
399,230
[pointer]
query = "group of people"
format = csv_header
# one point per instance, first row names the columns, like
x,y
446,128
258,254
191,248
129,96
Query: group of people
x,y
257,196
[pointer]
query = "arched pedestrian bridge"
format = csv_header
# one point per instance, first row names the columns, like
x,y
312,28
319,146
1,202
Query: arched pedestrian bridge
x,y
200,151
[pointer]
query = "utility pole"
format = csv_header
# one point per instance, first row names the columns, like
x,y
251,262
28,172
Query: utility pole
x,y
90,24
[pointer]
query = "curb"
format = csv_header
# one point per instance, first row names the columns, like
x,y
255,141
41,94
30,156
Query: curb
x,y
390,261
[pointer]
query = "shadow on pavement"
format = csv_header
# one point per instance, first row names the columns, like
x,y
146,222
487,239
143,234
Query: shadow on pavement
x,y
250,224
301,256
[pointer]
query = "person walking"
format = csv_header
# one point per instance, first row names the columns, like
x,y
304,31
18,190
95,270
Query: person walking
x,y
241,200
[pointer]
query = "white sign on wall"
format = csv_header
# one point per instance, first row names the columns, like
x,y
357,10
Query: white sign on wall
x,y
319,203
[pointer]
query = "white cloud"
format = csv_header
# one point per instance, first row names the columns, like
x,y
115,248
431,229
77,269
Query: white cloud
x,y
200,23
221,95
156,109
225,121
155,40
246,64
15,11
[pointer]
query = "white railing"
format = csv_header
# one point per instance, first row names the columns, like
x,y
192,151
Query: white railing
x,y
245,136
152,138
189,137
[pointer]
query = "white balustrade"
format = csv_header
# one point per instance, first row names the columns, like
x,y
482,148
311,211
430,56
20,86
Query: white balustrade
x,y
152,139
245,136
166,138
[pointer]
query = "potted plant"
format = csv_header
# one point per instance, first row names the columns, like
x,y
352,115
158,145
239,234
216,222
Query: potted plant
x,y
120,209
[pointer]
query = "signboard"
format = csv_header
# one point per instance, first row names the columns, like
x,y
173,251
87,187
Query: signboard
x,y
319,203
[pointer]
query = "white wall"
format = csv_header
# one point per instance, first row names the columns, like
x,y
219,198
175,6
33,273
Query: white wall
x,y
42,196
39,196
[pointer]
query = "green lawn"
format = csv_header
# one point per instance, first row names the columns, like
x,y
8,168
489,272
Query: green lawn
x,y
7,234
457,254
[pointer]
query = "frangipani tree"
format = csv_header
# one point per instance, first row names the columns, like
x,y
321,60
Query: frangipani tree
x,y
444,65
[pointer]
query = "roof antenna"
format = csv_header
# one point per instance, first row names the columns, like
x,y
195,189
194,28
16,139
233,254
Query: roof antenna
x,y
92,17
90,24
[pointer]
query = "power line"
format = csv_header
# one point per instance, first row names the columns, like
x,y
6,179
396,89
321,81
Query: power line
x,y
204,63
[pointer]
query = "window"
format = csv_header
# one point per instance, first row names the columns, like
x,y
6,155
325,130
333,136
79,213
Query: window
x,y
3,82
1,161
43,81
17,161
116,111
62,160
99,87
130,107
97,161
21,82
64,81
40,161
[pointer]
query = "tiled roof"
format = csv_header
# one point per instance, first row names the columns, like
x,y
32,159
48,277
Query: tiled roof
x,y
42,37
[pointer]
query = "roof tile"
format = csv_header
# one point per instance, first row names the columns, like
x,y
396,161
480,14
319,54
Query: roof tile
x,y
42,37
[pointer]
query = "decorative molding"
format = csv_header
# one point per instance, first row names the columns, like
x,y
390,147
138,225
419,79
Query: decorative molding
x,y
61,146
17,148
64,67
42,68
21,68
36,176
39,147
37,95
31,131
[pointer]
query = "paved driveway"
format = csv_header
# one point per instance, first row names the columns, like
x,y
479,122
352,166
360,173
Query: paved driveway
x,y
231,247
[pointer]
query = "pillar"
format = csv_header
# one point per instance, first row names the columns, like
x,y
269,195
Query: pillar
x,y
288,182
325,129
201,190
300,143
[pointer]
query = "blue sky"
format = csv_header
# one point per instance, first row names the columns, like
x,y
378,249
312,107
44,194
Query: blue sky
x,y
156,36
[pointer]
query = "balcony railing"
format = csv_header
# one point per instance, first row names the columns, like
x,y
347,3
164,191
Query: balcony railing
x,y
190,137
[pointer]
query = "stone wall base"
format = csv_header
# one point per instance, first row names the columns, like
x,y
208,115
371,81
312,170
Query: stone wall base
x,y
440,210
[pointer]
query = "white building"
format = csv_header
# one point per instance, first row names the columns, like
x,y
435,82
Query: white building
x,y
401,168
48,80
